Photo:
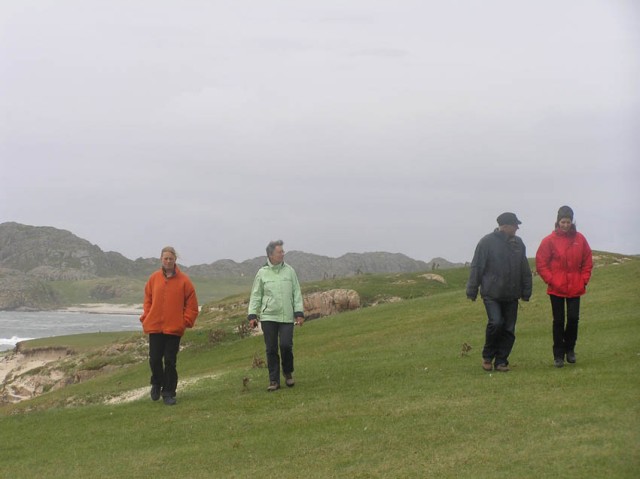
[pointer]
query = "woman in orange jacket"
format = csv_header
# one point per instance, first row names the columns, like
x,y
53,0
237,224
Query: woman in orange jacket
x,y
564,263
170,306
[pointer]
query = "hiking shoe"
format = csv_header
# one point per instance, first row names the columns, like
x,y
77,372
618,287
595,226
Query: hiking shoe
x,y
289,381
558,362
155,392
273,386
503,368
169,401
487,365
571,357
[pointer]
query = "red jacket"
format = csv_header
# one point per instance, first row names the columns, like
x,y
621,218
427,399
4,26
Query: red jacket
x,y
170,304
564,262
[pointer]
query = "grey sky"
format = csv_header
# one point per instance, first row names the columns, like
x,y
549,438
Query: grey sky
x,y
355,126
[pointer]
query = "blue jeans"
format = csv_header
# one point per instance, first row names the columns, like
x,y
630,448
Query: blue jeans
x,y
271,331
164,347
501,330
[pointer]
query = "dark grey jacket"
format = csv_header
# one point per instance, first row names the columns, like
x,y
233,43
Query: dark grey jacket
x,y
500,269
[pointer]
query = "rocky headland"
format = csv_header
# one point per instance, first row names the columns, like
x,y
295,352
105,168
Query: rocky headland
x,y
36,260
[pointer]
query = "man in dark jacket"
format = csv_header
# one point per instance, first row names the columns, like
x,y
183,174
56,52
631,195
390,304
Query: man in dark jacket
x,y
501,270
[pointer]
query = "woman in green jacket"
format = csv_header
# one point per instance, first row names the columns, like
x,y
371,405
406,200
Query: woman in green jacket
x,y
276,300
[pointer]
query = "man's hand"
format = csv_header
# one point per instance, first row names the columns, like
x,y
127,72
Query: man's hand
x,y
253,323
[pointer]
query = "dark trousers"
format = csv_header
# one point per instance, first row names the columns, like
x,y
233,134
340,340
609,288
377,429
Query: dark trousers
x,y
273,330
565,335
164,373
501,330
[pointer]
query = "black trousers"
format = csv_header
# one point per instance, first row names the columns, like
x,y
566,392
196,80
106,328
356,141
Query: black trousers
x,y
565,334
273,331
163,357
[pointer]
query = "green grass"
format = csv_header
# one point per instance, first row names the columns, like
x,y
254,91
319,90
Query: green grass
x,y
381,392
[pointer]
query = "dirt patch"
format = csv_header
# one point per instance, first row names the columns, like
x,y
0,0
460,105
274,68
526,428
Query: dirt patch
x,y
140,393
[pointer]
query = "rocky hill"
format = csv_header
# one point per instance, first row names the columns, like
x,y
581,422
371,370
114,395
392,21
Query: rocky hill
x,y
49,253
32,256
312,267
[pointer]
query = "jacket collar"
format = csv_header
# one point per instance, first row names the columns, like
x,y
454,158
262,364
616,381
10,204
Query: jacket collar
x,y
571,232
275,267
176,272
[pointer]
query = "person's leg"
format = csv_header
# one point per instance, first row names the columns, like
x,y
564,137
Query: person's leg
x,y
508,331
286,347
270,333
171,348
571,332
557,310
156,352
492,332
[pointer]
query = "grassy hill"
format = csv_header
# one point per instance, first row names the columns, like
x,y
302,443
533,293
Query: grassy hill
x,y
381,392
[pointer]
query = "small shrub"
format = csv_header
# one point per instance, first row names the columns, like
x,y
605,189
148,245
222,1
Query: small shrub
x,y
216,336
243,329
258,362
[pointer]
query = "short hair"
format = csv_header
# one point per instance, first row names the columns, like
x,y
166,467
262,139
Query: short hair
x,y
169,249
272,246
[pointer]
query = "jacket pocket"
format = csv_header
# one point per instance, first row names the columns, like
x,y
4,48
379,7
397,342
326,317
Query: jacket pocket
x,y
266,305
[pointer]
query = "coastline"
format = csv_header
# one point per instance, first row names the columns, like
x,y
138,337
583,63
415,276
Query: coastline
x,y
15,384
104,308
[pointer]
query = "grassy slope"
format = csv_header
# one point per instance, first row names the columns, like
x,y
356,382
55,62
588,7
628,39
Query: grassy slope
x,y
382,392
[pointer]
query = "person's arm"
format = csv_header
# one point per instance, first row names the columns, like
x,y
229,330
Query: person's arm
x,y
543,261
190,305
587,262
298,302
527,278
475,273
148,299
255,300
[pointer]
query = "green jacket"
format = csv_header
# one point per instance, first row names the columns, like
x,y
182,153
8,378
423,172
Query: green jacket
x,y
276,294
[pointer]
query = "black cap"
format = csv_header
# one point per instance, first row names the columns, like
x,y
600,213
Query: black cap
x,y
508,219
565,212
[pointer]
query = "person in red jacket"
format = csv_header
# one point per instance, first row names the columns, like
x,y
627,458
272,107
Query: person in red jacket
x,y
170,306
564,263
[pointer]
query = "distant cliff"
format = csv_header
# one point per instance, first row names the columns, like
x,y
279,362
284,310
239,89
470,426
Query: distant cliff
x,y
32,256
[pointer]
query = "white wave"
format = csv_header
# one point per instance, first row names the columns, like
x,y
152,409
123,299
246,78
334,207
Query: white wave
x,y
12,341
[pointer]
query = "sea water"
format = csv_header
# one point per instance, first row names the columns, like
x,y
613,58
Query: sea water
x,y
19,326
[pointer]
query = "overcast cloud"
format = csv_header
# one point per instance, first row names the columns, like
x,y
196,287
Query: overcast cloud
x,y
348,126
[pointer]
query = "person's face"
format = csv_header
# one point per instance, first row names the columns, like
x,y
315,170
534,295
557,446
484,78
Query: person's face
x,y
510,230
277,256
168,261
565,224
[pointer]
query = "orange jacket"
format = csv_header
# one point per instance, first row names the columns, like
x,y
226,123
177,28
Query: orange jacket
x,y
170,304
